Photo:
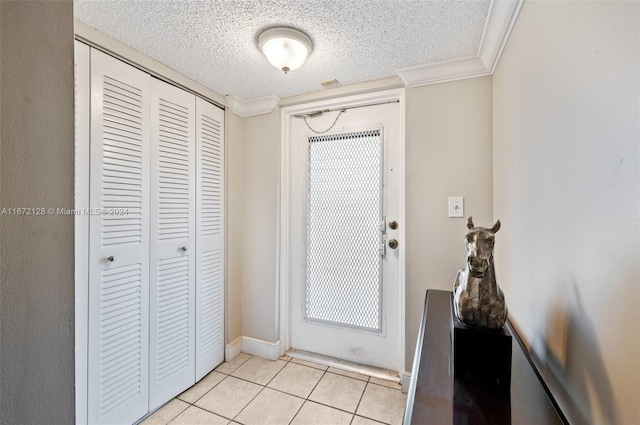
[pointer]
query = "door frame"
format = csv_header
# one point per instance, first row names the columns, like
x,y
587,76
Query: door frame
x,y
285,244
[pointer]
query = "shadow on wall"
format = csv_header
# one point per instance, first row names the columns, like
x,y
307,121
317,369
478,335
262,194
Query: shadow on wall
x,y
580,365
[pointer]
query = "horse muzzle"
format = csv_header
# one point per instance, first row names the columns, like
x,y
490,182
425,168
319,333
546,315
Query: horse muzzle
x,y
477,266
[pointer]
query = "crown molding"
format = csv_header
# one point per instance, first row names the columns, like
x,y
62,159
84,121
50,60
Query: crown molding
x,y
247,108
500,20
441,72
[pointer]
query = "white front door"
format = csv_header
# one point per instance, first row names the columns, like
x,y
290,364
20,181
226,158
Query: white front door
x,y
345,294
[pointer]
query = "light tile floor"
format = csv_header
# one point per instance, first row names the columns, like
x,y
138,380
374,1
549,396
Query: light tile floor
x,y
253,391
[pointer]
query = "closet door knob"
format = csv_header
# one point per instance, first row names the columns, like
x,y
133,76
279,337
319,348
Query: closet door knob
x,y
111,258
184,248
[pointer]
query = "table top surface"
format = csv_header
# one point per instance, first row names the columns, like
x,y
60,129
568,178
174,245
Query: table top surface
x,y
437,397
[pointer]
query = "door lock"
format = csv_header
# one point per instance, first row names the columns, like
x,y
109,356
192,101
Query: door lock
x,y
393,244
393,225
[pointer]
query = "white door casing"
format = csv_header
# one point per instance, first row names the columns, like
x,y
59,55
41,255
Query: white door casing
x,y
119,242
383,348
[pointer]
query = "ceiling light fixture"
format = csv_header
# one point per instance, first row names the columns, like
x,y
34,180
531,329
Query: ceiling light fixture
x,y
286,48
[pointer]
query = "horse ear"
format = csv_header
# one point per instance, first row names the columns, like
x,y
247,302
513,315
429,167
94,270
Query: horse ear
x,y
496,227
470,223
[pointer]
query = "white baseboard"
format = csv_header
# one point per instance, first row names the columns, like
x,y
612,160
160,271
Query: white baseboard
x,y
260,348
232,349
405,379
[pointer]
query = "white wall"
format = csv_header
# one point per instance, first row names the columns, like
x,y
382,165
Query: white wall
x,y
235,234
36,252
261,153
448,153
567,189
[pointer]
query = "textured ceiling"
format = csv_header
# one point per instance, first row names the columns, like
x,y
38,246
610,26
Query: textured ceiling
x,y
215,42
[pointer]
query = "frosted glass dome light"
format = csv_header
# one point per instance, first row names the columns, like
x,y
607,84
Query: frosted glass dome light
x,y
286,48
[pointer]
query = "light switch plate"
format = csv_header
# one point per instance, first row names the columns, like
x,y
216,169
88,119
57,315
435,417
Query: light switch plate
x,y
456,206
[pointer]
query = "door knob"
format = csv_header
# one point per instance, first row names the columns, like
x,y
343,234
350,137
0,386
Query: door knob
x,y
111,258
393,225
393,244
184,248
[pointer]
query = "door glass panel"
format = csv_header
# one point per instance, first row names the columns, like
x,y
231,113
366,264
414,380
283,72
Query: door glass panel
x,y
344,212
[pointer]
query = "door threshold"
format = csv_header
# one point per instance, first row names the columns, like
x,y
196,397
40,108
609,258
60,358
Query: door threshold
x,y
348,366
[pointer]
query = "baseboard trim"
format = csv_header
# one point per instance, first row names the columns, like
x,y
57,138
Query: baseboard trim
x,y
265,349
233,349
405,380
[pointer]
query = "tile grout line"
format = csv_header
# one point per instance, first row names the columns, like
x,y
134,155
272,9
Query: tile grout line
x,y
255,383
358,405
277,373
207,410
369,419
275,389
361,397
324,372
206,392
173,418
334,407
227,375
305,399
260,392
248,403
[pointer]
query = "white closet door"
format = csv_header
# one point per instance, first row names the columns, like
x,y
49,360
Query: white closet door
x,y
119,242
172,254
210,237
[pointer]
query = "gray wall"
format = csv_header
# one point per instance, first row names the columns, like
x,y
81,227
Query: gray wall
x,y
567,189
36,252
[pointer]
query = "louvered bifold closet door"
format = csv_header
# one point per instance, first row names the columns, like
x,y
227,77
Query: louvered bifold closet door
x,y
210,237
172,252
119,242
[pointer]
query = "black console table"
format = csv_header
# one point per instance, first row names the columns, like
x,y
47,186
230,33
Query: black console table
x,y
437,396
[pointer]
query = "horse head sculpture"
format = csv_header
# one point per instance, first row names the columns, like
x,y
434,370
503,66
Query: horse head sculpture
x,y
477,299
480,242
